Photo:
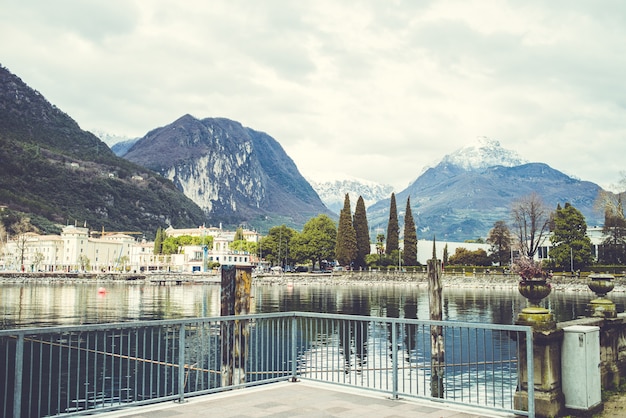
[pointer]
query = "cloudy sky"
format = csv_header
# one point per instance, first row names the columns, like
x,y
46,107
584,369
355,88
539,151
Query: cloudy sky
x,y
369,89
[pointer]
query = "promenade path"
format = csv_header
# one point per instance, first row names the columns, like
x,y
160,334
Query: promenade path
x,y
303,399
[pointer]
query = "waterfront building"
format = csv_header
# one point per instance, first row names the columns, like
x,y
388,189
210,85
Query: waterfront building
x,y
76,250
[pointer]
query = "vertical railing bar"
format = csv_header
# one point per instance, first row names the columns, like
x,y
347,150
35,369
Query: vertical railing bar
x,y
29,382
294,349
60,376
86,373
129,362
95,363
78,371
486,350
451,353
531,373
394,359
39,368
68,368
105,358
158,374
181,363
19,369
120,363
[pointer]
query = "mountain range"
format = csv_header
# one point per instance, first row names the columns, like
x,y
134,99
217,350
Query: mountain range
x,y
214,170
462,196
333,192
235,174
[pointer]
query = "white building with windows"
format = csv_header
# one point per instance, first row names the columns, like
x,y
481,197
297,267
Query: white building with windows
x,y
75,250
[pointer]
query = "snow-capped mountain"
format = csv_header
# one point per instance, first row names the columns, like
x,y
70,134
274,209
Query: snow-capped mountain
x,y
486,152
109,138
470,189
119,144
333,192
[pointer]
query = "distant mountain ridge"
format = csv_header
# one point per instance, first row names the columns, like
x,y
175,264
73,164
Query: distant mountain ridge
x,y
55,173
235,174
334,192
461,198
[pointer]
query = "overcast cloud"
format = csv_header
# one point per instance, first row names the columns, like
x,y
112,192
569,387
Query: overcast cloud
x,y
369,89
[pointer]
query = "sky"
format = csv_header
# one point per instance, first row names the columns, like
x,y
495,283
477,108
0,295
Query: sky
x,y
377,90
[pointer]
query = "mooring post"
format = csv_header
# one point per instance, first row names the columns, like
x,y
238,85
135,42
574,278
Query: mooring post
x,y
235,300
436,332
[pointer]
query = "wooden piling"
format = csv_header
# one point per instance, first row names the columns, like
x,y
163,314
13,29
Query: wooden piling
x,y
436,332
235,300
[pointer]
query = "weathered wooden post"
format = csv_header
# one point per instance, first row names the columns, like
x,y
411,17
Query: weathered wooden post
x,y
235,300
437,349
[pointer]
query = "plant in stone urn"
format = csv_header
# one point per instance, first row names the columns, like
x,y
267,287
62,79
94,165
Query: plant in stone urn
x,y
533,284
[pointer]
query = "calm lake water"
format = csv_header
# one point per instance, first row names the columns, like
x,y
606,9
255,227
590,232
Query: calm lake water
x,y
26,305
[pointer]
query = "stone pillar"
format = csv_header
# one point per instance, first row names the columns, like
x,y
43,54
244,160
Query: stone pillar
x,y
549,398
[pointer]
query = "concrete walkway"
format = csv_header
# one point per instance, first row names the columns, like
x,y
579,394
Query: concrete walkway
x,y
302,399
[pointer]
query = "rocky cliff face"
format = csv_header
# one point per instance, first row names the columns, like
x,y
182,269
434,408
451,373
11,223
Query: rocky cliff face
x,y
234,173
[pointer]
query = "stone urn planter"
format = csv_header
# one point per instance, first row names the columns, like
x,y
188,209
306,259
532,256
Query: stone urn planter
x,y
601,285
535,290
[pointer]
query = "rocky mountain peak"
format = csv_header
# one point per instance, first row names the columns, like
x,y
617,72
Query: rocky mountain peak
x,y
485,152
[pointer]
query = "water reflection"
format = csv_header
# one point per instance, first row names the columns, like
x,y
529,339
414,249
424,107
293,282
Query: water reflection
x,y
58,304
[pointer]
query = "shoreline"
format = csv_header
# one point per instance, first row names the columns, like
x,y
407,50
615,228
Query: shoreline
x,y
476,281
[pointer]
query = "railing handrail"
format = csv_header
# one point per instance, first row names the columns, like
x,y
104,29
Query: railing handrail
x,y
290,314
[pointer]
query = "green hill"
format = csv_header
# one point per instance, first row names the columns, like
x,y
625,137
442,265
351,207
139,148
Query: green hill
x,y
56,173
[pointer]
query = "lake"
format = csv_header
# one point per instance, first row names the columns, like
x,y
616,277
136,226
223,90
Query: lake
x,y
49,304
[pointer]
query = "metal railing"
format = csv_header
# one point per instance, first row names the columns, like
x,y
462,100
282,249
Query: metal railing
x,y
73,370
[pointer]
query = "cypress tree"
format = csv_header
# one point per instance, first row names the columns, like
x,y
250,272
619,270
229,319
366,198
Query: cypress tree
x,y
158,241
410,237
392,227
346,249
362,232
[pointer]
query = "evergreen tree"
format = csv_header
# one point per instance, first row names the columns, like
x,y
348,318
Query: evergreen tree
x,y
445,255
410,237
392,227
238,234
346,246
158,241
362,232
571,245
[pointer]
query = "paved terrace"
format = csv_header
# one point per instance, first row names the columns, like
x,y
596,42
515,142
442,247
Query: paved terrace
x,y
302,399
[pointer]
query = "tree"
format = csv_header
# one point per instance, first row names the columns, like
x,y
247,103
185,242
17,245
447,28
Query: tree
x,y
3,236
410,237
445,254
244,245
531,222
465,257
392,227
238,234
345,246
276,245
571,247
362,231
613,248
158,241
380,247
317,240
500,240
21,229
